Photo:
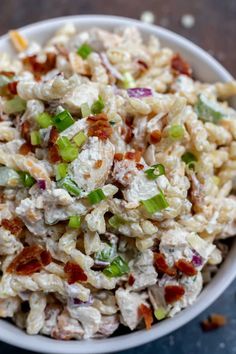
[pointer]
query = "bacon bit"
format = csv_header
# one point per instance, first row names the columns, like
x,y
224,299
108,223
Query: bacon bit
x,y
143,66
86,175
99,126
118,156
179,65
139,166
145,312
131,280
128,134
40,68
74,273
98,164
213,322
155,136
46,258
162,266
186,267
53,154
173,293
136,156
9,74
15,226
30,260
53,136
18,41
12,87
25,130
25,149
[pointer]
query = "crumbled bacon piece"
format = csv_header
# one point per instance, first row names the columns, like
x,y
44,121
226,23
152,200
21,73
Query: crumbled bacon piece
x,y
143,66
179,65
146,313
155,136
173,293
7,73
213,322
12,87
74,273
40,68
30,260
162,266
128,134
25,130
186,267
15,226
53,154
136,156
139,166
25,149
99,126
98,164
53,136
118,156
131,280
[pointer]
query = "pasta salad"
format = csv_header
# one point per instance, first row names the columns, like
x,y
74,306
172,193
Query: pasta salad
x,y
117,174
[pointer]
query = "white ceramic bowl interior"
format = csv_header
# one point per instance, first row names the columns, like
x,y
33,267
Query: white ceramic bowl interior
x,y
206,69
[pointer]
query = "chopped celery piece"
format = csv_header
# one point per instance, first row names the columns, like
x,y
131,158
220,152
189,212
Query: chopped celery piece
x,y
63,120
15,105
208,110
116,221
68,184
107,254
26,179
98,106
74,222
80,139
61,171
67,150
117,268
160,313
96,196
128,81
85,110
176,132
35,138
44,120
155,204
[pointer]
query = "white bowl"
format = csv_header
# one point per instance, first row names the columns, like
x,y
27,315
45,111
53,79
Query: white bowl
x,y
205,68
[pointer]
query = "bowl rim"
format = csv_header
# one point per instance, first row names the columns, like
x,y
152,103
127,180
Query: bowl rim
x,y
11,334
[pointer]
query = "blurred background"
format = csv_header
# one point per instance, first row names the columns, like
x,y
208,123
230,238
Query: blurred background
x,y
209,23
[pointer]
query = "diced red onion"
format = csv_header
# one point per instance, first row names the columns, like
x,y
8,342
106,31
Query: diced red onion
x,y
42,184
114,72
101,263
139,92
74,302
197,259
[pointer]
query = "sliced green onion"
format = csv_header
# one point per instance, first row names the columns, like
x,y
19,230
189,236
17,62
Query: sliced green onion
x,y
160,313
63,120
156,203
107,254
26,179
155,171
35,138
85,110
84,50
208,110
67,150
112,123
80,139
116,221
15,105
68,184
98,106
128,81
189,159
44,120
117,268
61,171
176,132
96,196
74,222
